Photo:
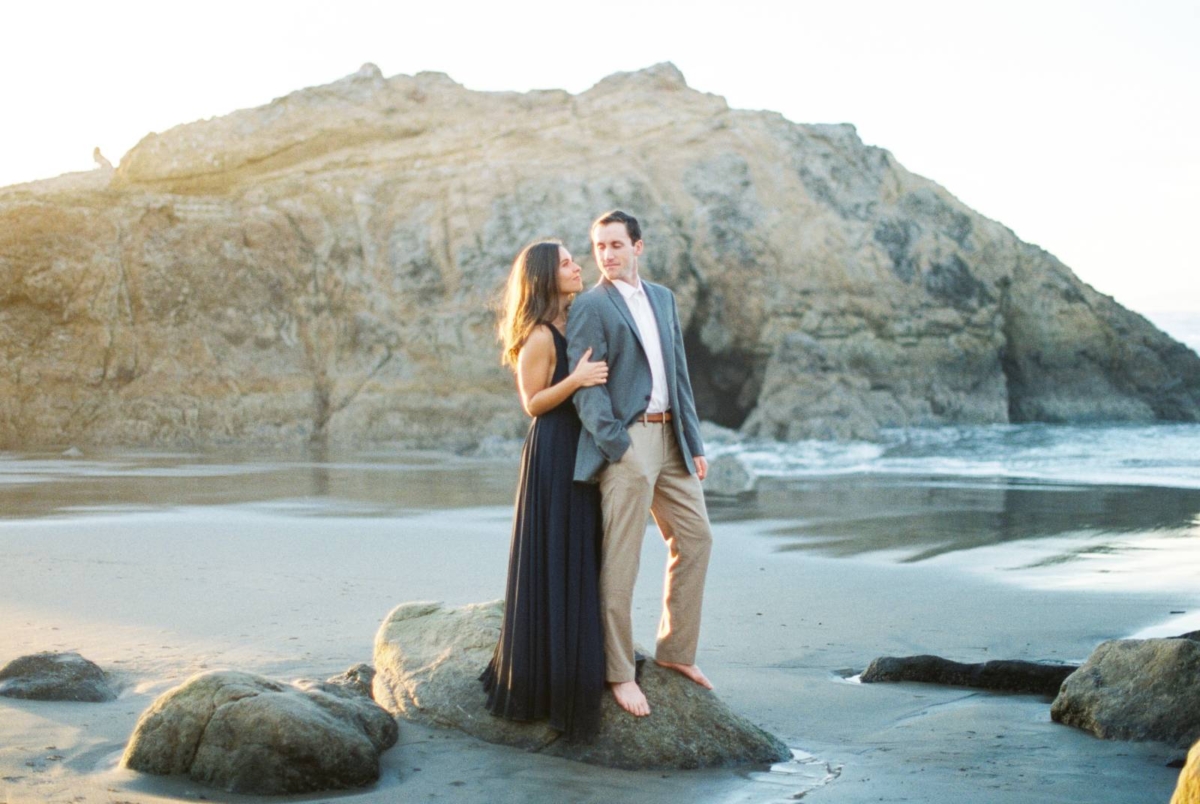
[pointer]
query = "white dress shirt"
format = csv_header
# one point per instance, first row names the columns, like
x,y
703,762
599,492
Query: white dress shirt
x,y
647,326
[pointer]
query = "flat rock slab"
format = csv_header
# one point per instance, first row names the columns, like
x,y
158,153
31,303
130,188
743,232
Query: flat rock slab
x,y
428,660
56,677
1008,675
1136,689
247,734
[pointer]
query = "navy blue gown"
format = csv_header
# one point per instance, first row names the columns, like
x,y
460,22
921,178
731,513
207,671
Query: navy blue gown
x,y
549,662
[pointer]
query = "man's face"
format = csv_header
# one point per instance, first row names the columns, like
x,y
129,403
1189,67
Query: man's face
x,y
615,254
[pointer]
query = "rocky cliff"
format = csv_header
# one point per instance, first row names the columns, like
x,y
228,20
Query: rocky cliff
x,y
324,267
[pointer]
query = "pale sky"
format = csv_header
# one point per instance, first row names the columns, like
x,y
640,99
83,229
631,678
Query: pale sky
x,y
1074,123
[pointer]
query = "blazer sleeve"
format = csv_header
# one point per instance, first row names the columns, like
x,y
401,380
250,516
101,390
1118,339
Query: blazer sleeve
x,y
683,382
584,330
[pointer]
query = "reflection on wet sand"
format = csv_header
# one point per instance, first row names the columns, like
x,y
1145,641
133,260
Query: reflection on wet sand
x,y
364,485
926,517
914,517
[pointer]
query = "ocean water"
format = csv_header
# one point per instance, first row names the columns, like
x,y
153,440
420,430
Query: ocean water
x,y
1101,508
1154,455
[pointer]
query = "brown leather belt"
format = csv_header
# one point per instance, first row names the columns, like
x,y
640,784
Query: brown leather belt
x,y
655,418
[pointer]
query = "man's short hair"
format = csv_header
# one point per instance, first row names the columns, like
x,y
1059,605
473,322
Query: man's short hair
x,y
632,228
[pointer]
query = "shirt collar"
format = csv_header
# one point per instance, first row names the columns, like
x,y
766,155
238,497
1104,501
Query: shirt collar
x,y
627,290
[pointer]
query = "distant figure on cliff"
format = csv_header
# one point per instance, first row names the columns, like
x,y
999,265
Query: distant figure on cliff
x,y
99,159
641,444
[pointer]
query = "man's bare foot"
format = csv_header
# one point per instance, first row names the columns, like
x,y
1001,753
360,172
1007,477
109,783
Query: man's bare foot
x,y
630,698
690,670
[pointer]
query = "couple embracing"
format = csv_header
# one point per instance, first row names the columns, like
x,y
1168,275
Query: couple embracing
x,y
613,439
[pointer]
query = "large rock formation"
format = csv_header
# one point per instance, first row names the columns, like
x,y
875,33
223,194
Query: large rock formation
x,y
429,659
322,267
1136,689
248,734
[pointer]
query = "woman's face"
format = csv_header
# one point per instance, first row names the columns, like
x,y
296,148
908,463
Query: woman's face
x,y
570,275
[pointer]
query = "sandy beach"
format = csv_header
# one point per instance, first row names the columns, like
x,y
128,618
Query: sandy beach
x,y
158,567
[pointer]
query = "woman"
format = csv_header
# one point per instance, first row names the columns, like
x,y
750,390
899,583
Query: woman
x,y
549,662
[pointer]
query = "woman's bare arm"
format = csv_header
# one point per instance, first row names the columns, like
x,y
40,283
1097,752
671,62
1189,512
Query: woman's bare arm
x,y
535,370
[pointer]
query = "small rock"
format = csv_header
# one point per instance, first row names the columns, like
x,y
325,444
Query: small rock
x,y
248,734
1135,689
429,659
728,477
56,677
357,679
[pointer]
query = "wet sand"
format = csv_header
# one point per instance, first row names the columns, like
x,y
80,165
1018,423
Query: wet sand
x,y
287,570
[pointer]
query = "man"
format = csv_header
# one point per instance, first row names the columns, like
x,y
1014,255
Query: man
x,y
641,442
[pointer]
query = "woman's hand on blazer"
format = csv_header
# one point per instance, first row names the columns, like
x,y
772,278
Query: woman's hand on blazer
x,y
588,372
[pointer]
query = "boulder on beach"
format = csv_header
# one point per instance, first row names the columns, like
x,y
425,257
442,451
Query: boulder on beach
x,y
56,677
1187,789
728,476
429,659
1136,689
1007,675
247,734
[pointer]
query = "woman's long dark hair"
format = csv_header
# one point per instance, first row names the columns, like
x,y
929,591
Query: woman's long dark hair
x,y
530,297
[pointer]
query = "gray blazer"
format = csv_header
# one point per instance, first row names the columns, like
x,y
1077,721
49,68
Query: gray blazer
x,y
600,319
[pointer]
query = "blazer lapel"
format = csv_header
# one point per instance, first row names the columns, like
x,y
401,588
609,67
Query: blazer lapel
x,y
618,301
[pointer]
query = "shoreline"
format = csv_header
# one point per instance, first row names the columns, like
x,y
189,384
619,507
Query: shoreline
x,y
297,590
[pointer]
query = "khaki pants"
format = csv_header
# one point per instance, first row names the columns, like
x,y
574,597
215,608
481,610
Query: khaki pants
x,y
651,478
